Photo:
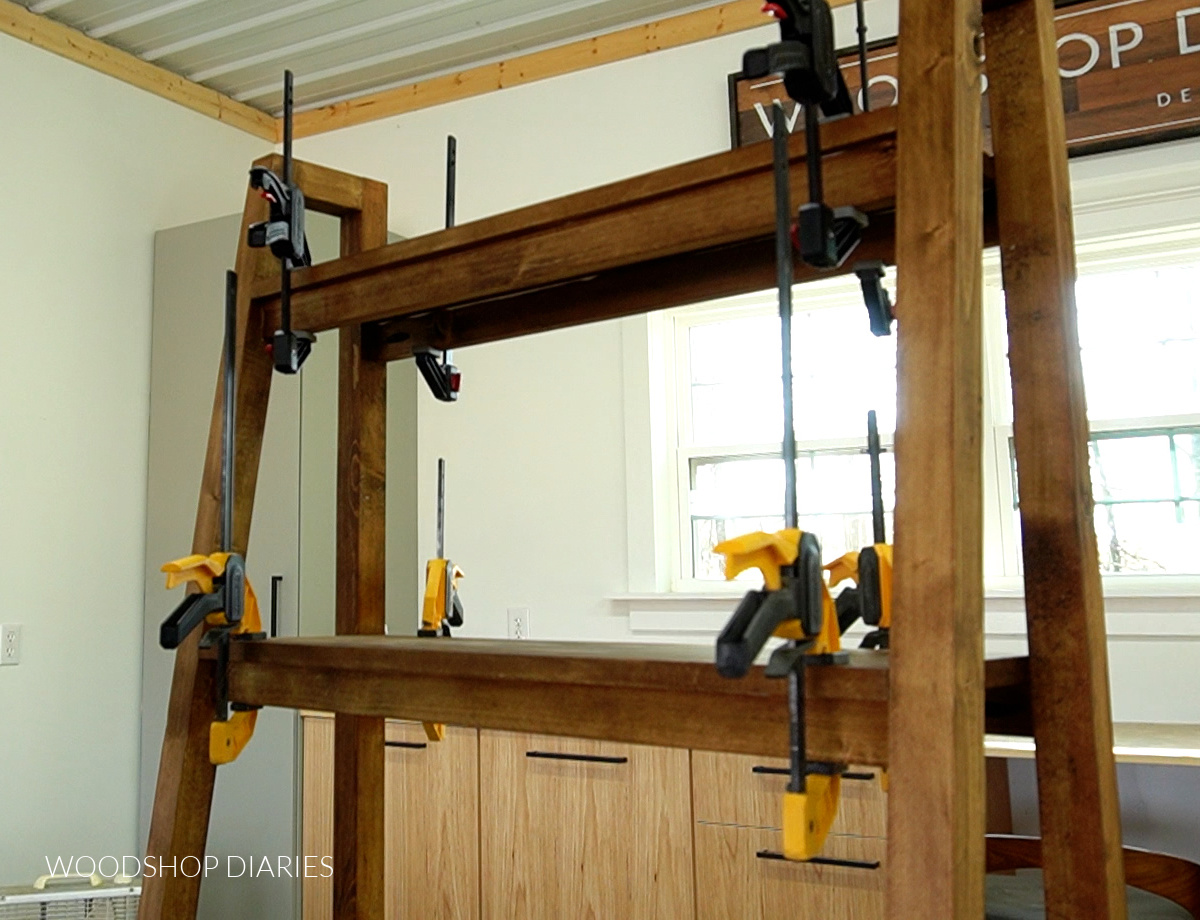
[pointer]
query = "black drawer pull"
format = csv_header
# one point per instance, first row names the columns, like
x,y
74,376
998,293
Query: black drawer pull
x,y
583,758
784,771
860,777
407,745
819,861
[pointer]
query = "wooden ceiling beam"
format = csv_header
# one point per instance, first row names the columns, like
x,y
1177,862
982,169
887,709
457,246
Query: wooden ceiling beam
x,y
666,695
72,44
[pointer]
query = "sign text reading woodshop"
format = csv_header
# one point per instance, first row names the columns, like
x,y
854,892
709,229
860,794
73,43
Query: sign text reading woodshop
x,y
1130,75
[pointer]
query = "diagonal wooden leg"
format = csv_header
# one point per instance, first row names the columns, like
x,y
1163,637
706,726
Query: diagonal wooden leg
x,y
183,795
358,806
936,762
1063,599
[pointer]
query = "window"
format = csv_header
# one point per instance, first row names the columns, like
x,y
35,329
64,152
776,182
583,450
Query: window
x,y
1139,327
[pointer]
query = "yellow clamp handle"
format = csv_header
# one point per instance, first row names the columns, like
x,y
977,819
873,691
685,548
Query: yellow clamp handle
x,y
808,816
226,740
433,611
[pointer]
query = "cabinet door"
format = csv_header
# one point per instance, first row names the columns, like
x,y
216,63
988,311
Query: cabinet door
x,y
746,790
431,796
431,793
733,880
573,828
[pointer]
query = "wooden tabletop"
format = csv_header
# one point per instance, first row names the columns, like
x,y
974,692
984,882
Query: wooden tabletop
x,y
632,692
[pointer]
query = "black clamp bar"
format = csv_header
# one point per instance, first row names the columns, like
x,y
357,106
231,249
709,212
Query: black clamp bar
x,y
284,234
806,59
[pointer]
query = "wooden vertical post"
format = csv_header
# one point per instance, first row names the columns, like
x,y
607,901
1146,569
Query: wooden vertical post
x,y
358,807
183,794
1064,603
936,809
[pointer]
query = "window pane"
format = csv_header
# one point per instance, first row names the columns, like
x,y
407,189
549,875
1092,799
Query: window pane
x,y
733,497
839,369
1156,538
1147,497
1187,454
1132,468
1139,332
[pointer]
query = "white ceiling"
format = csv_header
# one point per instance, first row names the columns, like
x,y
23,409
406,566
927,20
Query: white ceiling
x,y
337,49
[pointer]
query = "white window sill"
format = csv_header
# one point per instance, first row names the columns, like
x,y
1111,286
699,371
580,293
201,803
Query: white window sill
x,y
1154,607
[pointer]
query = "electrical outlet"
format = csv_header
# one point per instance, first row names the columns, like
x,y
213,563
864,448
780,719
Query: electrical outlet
x,y
518,622
10,644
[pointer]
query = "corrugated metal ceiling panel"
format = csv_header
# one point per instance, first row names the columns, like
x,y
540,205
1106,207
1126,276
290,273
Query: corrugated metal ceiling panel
x,y
337,49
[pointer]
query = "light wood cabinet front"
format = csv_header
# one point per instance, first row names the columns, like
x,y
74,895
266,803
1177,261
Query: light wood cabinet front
x,y
574,828
748,791
431,796
732,880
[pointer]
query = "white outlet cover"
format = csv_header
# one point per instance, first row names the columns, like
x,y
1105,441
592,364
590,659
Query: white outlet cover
x,y
518,623
10,644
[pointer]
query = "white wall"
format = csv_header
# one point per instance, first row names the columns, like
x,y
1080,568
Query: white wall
x,y
89,169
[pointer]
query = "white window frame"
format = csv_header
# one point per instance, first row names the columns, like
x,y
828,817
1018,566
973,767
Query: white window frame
x,y
1001,538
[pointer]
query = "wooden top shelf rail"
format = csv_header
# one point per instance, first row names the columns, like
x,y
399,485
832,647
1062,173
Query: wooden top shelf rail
x,y
684,234
642,694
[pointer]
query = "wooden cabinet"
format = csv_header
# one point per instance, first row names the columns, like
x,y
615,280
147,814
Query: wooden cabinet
x,y
737,805
432,832
573,828
732,880
490,825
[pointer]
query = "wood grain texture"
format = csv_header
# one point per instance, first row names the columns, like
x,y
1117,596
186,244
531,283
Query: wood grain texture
x,y
999,796
731,881
316,821
726,790
570,839
936,799
712,202
358,808
606,48
74,45
183,792
666,695
432,817
1064,603
1169,877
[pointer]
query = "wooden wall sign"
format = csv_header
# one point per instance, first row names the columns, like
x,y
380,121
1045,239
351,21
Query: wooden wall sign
x,y
1130,75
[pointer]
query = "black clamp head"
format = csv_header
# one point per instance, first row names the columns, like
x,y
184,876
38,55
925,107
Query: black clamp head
x,y
289,349
284,231
805,57
827,236
875,295
443,378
